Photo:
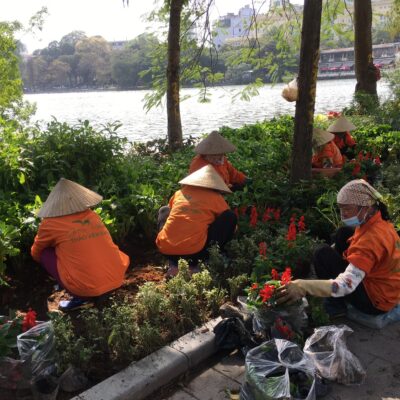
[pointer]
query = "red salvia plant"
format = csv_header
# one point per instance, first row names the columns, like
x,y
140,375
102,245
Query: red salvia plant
x,y
284,329
292,231
275,274
253,216
262,249
377,160
301,225
29,320
267,292
286,276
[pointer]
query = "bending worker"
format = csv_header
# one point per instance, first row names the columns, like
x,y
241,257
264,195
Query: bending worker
x,y
75,247
367,273
325,152
196,217
211,151
341,128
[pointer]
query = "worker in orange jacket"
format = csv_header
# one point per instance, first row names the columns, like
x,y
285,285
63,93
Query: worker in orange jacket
x,y
196,217
211,151
341,128
363,267
75,247
325,152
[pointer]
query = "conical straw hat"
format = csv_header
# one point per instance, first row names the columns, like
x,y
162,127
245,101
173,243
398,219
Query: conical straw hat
x,y
342,124
66,198
214,143
321,137
206,177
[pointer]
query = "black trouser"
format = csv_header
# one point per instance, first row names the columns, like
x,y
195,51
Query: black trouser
x,y
329,263
219,232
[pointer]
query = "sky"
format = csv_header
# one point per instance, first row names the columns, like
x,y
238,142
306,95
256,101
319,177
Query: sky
x,y
108,18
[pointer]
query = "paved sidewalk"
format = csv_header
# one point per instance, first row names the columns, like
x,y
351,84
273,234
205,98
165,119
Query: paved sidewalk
x,y
378,351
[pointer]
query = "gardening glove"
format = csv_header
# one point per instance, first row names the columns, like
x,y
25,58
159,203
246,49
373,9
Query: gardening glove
x,y
297,289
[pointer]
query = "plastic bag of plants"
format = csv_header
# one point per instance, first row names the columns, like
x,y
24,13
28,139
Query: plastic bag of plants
x,y
327,348
266,316
36,348
293,314
14,372
278,369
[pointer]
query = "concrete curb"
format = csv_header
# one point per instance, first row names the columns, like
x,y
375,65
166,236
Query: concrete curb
x,y
149,374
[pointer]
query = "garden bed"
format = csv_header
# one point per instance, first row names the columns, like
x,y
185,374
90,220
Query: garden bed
x,y
279,225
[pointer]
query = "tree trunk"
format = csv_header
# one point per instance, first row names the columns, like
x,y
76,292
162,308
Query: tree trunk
x,y
173,109
364,66
307,81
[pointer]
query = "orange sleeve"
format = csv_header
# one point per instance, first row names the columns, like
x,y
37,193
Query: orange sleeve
x,y
349,140
43,239
364,255
197,163
235,176
337,156
171,201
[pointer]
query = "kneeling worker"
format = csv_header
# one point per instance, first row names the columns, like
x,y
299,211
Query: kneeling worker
x,y
197,217
75,247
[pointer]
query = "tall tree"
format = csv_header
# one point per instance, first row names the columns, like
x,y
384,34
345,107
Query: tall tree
x,y
173,77
364,65
307,81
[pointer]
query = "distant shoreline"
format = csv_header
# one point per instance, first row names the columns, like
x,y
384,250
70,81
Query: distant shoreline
x,y
115,89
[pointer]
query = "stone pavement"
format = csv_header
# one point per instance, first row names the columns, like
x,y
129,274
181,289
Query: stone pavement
x,y
378,351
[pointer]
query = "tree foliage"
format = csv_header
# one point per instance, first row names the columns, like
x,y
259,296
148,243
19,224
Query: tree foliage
x,y
10,79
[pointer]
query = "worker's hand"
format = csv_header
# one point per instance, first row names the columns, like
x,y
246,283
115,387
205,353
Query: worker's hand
x,y
290,293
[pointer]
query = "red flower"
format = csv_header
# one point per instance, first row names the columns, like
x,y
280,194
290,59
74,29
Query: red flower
x,y
377,160
275,274
333,114
267,214
236,211
277,214
368,156
286,276
266,292
291,234
254,286
262,248
253,216
356,169
284,329
360,156
29,320
301,224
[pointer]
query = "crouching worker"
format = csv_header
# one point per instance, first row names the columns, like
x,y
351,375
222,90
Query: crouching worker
x,y
325,152
75,247
197,217
341,128
211,151
363,268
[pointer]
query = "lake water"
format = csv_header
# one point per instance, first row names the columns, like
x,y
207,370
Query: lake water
x,y
197,118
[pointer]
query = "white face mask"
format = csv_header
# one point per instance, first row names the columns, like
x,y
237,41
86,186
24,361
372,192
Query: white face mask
x,y
355,220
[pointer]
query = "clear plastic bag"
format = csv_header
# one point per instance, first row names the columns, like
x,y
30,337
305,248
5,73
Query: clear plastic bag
x,y
36,348
278,369
290,91
332,359
13,374
374,321
263,319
